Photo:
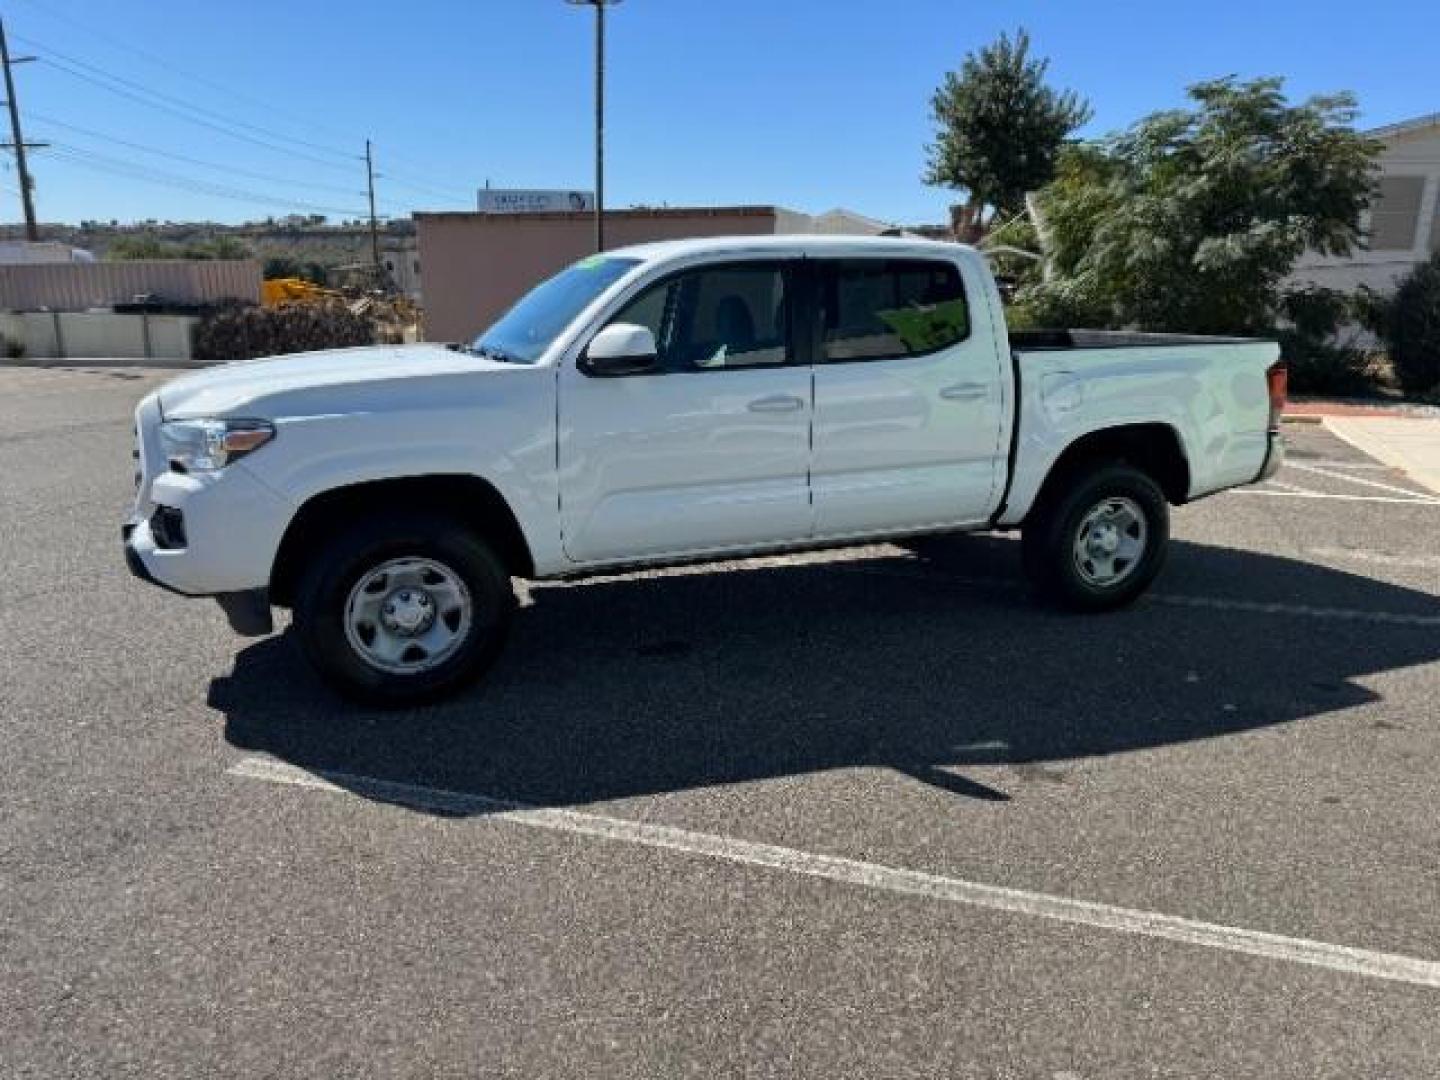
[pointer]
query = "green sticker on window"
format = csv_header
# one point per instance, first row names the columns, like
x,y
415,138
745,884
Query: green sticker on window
x,y
591,263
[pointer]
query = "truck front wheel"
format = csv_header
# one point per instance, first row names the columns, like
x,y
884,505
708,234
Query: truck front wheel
x,y
1099,540
399,610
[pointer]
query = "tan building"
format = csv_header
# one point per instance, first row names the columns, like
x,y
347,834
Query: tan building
x,y
476,265
1403,224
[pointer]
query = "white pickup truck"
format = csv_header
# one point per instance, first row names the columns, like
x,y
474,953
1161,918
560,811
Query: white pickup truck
x,y
679,401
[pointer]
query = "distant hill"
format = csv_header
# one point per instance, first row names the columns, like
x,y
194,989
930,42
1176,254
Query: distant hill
x,y
307,241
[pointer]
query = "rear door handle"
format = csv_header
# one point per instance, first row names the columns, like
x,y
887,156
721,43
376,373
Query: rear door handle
x,y
970,391
776,403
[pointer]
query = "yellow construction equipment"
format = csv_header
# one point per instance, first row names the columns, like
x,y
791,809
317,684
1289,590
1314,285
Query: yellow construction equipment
x,y
277,291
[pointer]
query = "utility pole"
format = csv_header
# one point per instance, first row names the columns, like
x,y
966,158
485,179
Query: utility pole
x,y
18,143
599,6
374,226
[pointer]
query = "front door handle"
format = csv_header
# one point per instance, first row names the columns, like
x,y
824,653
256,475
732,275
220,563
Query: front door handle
x,y
970,391
776,403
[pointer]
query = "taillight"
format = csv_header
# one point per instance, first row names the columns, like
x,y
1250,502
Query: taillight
x,y
1277,379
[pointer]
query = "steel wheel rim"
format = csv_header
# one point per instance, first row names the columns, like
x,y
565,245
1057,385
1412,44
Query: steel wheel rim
x,y
1110,542
408,615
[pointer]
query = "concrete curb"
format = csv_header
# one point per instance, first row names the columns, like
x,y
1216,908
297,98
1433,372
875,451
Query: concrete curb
x,y
102,362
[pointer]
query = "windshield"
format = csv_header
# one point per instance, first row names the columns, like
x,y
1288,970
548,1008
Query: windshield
x,y
525,331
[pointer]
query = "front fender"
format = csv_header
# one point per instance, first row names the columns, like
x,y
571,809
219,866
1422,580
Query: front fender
x,y
515,454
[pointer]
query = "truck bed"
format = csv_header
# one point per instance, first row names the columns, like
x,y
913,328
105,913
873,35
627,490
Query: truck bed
x,y
1211,393
1052,340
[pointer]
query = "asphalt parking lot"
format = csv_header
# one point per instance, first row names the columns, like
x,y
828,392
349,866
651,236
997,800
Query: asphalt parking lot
x,y
858,813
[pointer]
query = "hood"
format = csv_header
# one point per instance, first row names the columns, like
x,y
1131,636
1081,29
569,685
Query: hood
x,y
253,387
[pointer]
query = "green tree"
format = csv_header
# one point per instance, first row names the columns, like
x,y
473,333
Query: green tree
x,y
1409,324
143,246
1191,219
228,247
999,129
281,266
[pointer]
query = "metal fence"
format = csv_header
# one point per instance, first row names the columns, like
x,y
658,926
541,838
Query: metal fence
x,y
82,286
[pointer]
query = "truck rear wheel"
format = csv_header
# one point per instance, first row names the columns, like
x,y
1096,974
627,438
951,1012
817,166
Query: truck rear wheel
x,y
1099,540
400,610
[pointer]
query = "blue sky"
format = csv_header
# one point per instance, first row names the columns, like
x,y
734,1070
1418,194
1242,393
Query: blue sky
x,y
808,104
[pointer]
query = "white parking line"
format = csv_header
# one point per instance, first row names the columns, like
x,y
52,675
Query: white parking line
x,y
1261,607
1337,463
1380,558
1420,500
1212,603
1280,485
1377,485
1339,958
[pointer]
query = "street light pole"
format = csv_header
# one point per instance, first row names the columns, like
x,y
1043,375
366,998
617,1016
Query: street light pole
x,y
599,6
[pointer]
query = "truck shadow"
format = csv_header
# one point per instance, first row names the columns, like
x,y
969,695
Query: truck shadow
x,y
925,660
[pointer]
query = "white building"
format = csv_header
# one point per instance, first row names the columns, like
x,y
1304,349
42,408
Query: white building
x,y
1402,225
40,252
401,258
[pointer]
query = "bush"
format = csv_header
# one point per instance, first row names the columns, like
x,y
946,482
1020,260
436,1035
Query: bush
x,y
1321,361
241,332
1409,324
1058,304
280,266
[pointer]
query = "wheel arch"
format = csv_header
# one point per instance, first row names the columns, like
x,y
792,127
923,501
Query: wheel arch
x,y
471,500
1154,448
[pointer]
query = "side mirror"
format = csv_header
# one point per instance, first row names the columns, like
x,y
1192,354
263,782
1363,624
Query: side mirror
x,y
620,349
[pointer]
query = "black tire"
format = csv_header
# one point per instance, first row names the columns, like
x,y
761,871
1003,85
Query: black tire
x,y
1050,537
335,567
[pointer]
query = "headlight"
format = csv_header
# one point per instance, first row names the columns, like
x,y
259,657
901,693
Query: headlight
x,y
210,445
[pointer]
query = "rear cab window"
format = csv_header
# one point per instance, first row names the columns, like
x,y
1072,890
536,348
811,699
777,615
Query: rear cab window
x,y
885,309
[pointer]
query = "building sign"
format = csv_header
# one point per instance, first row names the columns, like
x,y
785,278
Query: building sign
x,y
523,201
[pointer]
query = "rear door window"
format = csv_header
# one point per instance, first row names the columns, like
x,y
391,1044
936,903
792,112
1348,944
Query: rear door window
x,y
882,309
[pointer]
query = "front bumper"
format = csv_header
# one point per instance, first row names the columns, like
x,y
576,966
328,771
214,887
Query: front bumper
x,y
228,529
134,563
247,610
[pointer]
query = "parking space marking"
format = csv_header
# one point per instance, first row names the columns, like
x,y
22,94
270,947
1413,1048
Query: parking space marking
x,y
1380,558
1213,603
1376,484
1263,607
1281,485
1300,493
1344,959
1338,463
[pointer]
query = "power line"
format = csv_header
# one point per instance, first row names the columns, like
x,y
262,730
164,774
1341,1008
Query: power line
x,y
161,106
252,133
200,121
60,59
167,64
229,126
400,179
229,169
450,195
85,158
